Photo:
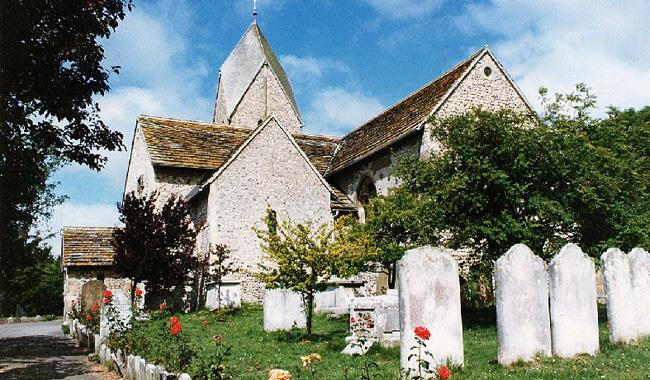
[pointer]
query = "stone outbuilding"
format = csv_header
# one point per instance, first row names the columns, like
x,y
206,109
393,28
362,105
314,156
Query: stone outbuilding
x,y
87,264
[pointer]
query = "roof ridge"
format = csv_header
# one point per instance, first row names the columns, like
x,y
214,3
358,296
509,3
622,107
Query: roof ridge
x,y
395,105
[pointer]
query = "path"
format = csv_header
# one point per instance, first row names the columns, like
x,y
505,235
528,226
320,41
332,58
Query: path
x,y
39,350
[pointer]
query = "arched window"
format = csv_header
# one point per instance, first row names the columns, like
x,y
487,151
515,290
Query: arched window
x,y
366,191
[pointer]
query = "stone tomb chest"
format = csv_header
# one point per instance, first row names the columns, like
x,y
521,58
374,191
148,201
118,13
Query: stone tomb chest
x,y
373,319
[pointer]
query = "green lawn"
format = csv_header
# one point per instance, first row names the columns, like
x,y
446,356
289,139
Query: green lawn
x,y
254,352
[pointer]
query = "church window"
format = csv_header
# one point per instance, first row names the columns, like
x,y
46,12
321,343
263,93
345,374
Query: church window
x,y
140,184
367,191
487,71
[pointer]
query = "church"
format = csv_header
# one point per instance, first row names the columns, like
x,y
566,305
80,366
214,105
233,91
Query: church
x,y
254,154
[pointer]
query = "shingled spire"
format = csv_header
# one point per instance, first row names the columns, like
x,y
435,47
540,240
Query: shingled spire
x,y
253,86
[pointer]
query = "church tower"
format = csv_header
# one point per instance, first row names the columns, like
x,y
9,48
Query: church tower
x,y
253,86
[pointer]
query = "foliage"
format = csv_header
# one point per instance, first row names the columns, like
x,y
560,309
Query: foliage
x,y
503,178
89,316
38,288
50,72
156,245
305,258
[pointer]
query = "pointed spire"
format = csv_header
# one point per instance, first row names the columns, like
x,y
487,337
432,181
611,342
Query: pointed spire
x,y
254,10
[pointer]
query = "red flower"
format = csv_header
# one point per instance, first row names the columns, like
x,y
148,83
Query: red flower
x,y
353,319
106,301
444,373
163,306
422,332
89,317
108,294
176,328
95,308
205,323
138,292
173,320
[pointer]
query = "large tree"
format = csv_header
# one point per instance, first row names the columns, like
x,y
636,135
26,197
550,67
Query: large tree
x,y
503,178
50,73
156,244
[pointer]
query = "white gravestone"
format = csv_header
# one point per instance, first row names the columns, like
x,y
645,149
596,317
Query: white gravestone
x,y
621,308
640,271
230,294
429,296
121,303
283,310
574,310
523,322
373,319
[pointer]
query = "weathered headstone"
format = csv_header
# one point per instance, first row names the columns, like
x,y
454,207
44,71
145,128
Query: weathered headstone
x,y
121,303
640,271
429,296
373,319
334,301
621,309
523,323
230,291
574,310
91,293
283,310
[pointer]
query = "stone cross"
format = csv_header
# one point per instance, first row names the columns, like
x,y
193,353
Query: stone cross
x,y
574,310
640,271
429,296
621,309
283,310
523,323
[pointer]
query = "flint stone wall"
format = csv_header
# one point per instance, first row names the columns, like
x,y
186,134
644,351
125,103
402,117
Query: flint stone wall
x,y
640,272
621,309
283,310
523,323
429,296
574,310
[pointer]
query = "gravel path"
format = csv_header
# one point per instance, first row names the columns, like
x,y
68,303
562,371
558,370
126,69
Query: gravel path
x,y
39,350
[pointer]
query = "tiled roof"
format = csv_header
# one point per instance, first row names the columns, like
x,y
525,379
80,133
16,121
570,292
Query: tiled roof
x,y
396,122
200,145
87,246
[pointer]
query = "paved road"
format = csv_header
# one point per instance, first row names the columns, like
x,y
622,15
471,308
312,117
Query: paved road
x,y
39,350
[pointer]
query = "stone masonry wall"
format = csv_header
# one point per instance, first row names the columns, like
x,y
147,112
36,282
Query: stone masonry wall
x,y
269,171
140,165
265,98
493,92
76,277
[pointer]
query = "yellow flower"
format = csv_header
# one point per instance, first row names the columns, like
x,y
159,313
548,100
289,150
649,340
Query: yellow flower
x,y
279,374
310,359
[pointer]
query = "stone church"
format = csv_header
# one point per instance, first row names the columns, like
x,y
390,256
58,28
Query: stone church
x,y
254,153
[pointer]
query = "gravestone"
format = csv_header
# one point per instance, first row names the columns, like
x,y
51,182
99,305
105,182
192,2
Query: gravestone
x,y
334,301
523,322
640,272
574,310
373,319
621,308
283,310
121,302
230,294
91,293
429,296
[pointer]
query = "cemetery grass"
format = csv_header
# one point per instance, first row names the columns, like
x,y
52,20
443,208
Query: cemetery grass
x,y
254,352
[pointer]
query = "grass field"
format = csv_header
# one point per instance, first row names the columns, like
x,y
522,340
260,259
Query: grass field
x,y
254,352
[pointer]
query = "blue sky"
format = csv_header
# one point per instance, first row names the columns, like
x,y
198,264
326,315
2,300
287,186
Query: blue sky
x,y
348,60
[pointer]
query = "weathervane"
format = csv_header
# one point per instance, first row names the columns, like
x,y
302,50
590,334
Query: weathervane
x,y
254,10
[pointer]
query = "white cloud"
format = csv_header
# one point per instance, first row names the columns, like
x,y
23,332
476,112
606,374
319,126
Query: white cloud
x,y
79,215
403,9
557,44
336,110
308,68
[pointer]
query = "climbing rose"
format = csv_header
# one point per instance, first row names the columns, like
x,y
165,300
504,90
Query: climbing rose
x,y
176,328
88,317
352,319
108,294
422,332
444,373
205,323
173,320
163,306
138,292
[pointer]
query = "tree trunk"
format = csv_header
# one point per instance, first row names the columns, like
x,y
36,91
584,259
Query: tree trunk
x,y
310,311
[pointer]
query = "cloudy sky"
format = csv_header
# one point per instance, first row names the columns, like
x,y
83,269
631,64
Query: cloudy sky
x,y
349,59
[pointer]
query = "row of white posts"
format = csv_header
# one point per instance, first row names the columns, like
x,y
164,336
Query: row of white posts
x,y
527,326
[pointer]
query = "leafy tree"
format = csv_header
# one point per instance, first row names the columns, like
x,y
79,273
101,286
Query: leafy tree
x,y
39,288
503,178
50,71
156,244
305,258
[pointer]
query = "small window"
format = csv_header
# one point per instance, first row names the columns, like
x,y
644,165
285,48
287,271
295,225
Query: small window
x,y
273,222
101,276
487,71
140,184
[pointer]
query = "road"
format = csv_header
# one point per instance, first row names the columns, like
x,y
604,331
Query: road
x,y
39,350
